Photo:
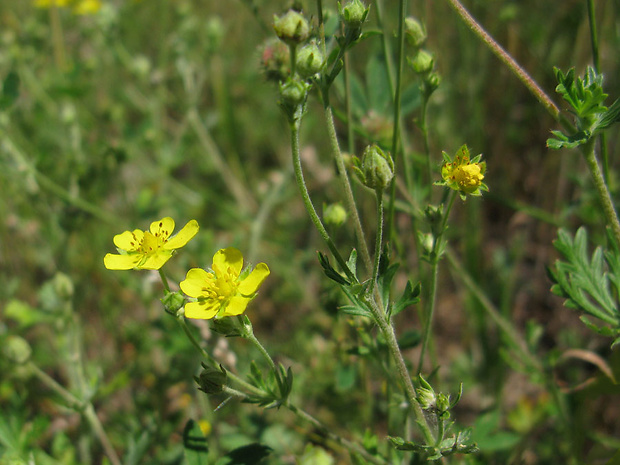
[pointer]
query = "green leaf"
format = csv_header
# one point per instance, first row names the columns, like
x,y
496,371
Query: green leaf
x,y
329,270
195,444
10,90
585,281
410,296
252,454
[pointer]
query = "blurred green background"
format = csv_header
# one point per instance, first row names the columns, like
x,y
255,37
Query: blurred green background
x,y
154,108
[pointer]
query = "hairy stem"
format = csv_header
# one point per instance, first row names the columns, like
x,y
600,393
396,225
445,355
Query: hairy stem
x,y
601,188
505,58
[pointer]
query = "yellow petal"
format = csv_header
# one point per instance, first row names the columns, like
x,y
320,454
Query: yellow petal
x,y
195,282
155,261
121,262
251,284
236,305
183,237
129,240
162,228
202,310
228,258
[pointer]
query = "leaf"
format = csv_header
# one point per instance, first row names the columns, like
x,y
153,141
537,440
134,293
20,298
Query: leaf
x,y
252,454
10,90
329,270
585,282
195,444
410,296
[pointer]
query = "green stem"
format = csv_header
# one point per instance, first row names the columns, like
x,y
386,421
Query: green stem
x,y
247,386
505,58
299,176
436,253
57,37
601,188
346,186
351,446
254,340
401,367
378,240
424,131
347,103
164,280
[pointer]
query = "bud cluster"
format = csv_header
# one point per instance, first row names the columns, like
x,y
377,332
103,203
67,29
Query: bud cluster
x,y
422,61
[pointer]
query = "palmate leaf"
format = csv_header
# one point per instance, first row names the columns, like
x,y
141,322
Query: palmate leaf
x,y
586,282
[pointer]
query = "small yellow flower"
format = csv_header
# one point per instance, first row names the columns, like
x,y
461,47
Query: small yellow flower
x,y
51,3
87,7
224,291
149,250
464,174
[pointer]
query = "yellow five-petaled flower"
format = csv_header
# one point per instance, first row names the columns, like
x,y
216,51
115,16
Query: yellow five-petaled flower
x,y
225,290
464,174
149,250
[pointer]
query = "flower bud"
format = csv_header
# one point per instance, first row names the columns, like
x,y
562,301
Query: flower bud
x,y
173,301
310,60
423,62
377,168
211,380
17,350
293,92
414,32
426,398
334,214
275,60
292,28
353,13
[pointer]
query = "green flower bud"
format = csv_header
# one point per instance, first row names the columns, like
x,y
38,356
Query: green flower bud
x,y
377,168
17,350
423,62
63,285
334,214
292,27
353,13
310,60
275,60
426,398
293,92
414,32
173,301
211,380
431,83
443,402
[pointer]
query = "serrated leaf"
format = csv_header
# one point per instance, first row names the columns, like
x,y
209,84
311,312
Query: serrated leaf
x,y
356,311
329,270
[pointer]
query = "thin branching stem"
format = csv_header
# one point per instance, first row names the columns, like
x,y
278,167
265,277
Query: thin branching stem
x,y
436,254
601,187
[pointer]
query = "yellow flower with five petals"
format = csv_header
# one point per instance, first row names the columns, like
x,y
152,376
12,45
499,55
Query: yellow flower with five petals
x,y
149,250
464,174
224,291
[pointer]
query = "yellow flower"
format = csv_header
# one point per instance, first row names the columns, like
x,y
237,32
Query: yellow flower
x,y
462,174
149,250
224,291
87,7
50,3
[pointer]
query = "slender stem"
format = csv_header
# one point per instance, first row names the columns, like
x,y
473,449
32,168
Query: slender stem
x,y
299,176
346,185
254,340
347,102
438,247
351,446
424,131
379,238
601,188
57,37
505,58
211,360
401,367
164,280
95,424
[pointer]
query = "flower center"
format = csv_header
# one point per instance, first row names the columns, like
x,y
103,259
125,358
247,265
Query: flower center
x,y
468,175
222,285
